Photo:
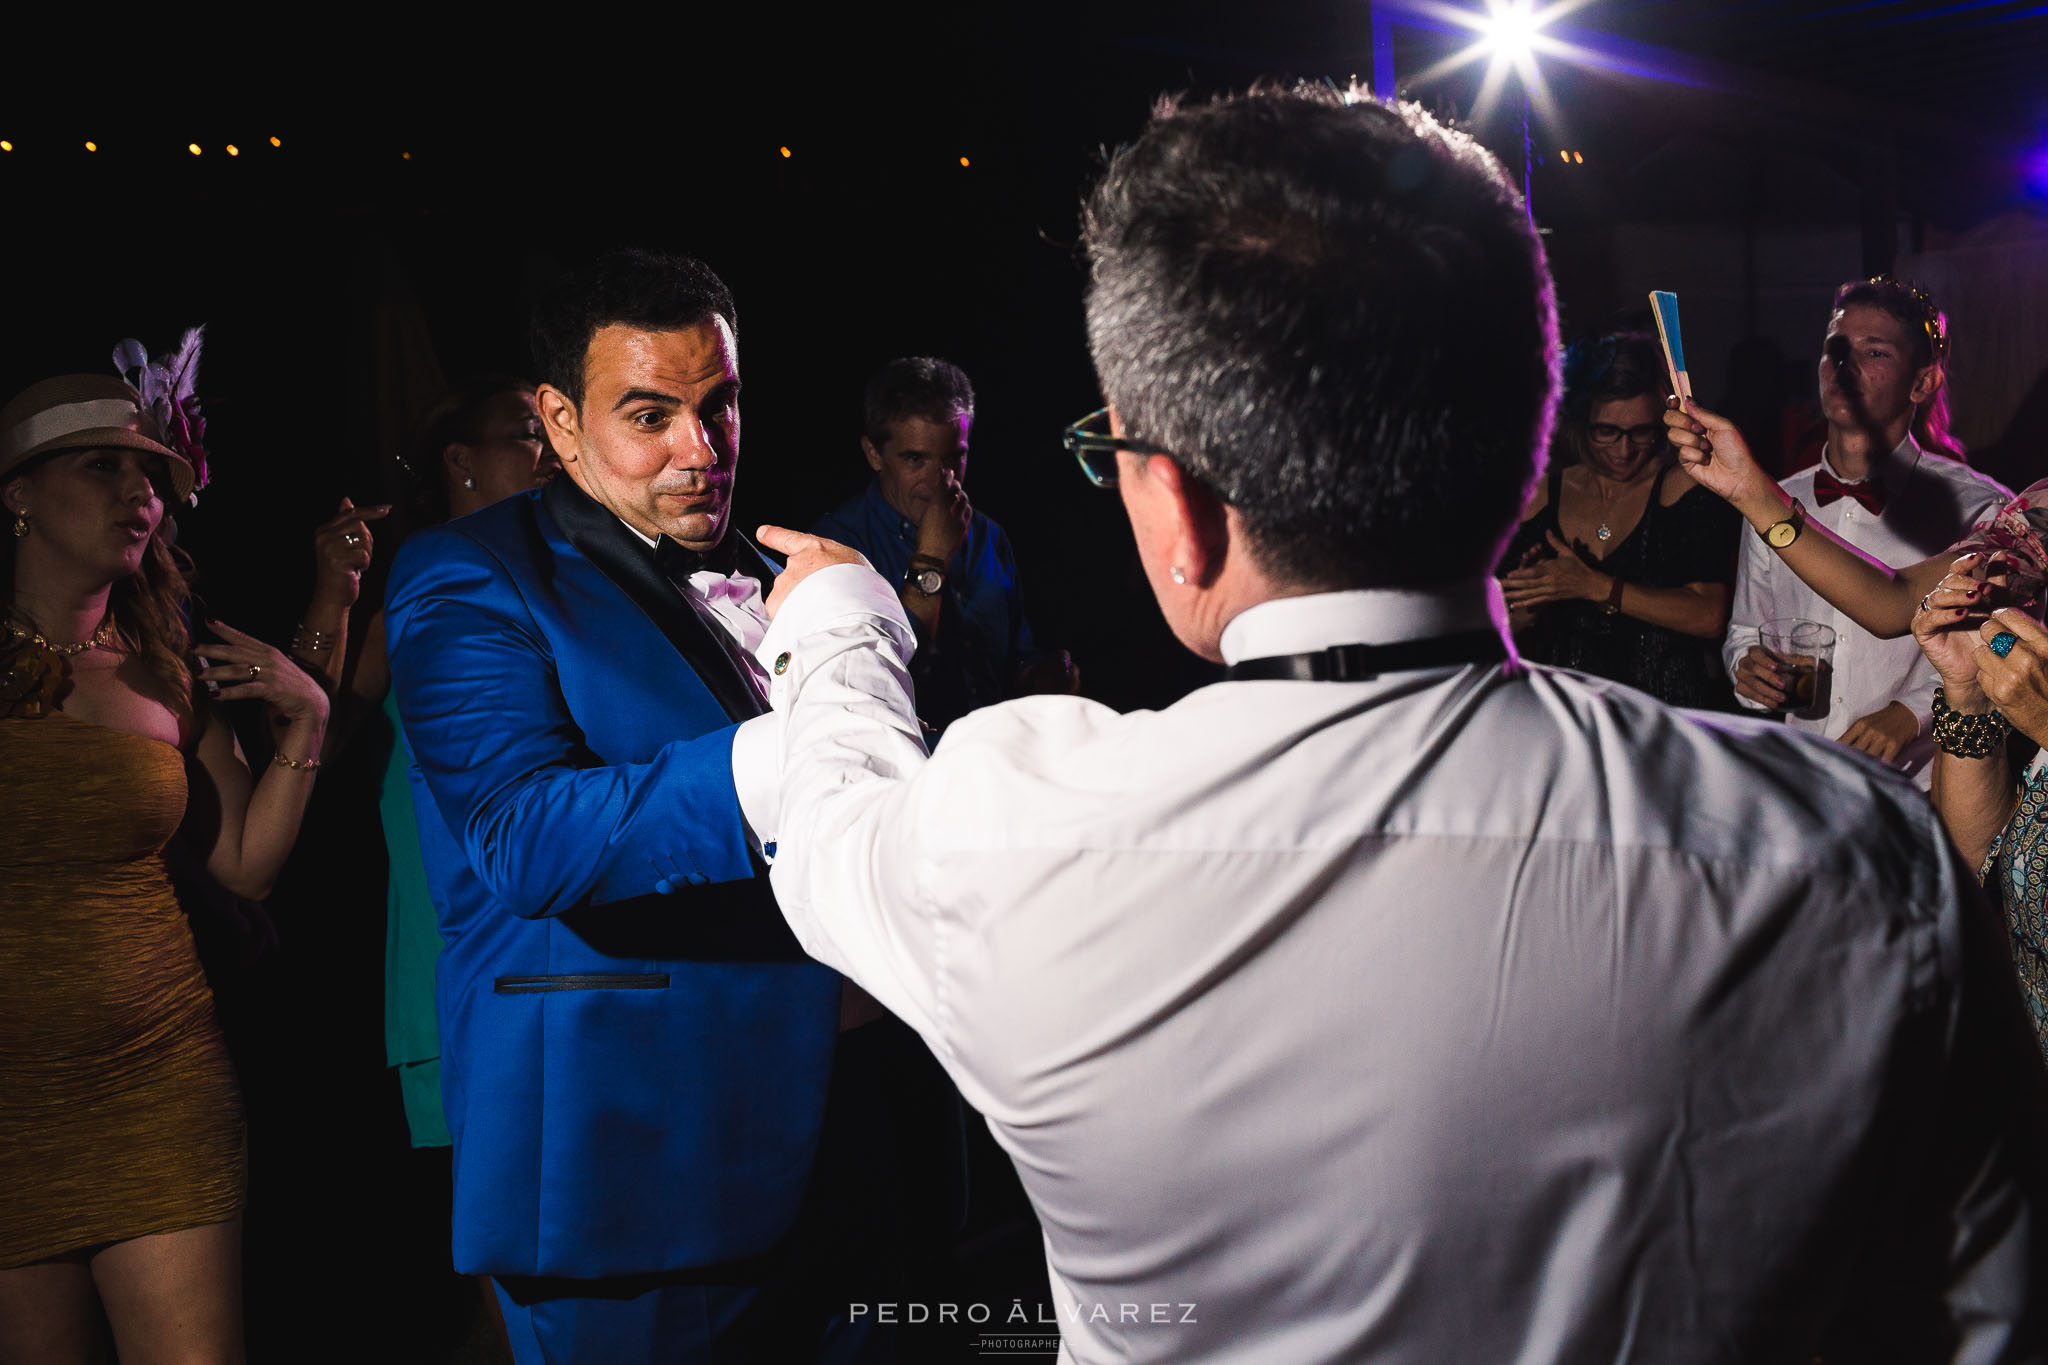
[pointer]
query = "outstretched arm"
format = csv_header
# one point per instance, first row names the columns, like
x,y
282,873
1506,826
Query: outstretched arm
x,y
1877,597
846,861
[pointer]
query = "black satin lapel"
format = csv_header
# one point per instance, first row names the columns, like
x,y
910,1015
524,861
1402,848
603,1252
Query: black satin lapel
x,y
754,564
623,558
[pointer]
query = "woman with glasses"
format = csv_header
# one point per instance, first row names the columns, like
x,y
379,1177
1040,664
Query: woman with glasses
x,y
1622,566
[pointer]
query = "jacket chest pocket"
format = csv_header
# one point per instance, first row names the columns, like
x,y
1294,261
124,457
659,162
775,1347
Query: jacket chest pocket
x,y
584,981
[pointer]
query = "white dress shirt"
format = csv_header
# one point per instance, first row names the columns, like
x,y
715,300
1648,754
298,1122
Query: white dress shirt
x,y
1468,1014
1930,501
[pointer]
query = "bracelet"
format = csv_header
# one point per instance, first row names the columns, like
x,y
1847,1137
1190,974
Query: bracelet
x,y
295,764
1612,606
1966,736
306,640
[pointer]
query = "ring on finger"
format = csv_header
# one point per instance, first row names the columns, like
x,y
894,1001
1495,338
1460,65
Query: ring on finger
x,y
351,538
1923,600
2002,643
255,671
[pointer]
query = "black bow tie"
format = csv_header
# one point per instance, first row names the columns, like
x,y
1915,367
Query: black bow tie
x,y
677,563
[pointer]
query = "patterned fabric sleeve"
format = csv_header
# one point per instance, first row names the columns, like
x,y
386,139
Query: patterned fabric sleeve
x,y
2016,533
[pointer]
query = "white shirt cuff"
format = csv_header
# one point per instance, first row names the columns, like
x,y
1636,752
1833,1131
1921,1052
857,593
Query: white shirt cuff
x,y
757,777
830,596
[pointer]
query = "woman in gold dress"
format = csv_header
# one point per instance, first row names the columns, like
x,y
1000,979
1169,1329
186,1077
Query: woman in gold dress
x,y
121,1144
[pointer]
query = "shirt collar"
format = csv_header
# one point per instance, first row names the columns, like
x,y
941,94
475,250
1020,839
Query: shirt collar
x,y
649,541
1364,616
1905,454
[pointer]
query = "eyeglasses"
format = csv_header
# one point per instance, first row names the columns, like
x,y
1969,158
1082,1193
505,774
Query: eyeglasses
x,y
1608,434
1092,445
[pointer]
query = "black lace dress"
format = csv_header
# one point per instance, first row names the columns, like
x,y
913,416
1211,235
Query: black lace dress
x,y
1694,540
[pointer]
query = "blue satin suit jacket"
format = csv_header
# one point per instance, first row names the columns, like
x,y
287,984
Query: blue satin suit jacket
x,y
634,1050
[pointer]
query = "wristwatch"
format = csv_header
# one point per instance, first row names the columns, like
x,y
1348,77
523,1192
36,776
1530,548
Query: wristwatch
x,y
1779,534
925,579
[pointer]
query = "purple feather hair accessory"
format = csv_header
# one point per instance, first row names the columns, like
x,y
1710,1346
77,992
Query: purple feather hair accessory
x,y
169,387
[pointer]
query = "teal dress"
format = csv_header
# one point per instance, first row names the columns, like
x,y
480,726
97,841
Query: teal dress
x,y
412,945
2015,874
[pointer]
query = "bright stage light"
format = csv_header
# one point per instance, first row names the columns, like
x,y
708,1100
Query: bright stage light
x,y
1512,37
1510,30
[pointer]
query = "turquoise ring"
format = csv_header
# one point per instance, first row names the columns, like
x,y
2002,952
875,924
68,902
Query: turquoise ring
x,y
2002,643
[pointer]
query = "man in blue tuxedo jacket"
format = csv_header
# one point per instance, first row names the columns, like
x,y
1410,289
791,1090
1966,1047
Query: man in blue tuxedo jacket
x,y
636,1055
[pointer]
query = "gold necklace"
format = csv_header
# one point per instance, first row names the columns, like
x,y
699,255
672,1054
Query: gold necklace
x,y
101,638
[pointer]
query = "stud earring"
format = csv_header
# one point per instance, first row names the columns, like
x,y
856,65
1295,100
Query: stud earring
x,y
20,524
1177,574
469,483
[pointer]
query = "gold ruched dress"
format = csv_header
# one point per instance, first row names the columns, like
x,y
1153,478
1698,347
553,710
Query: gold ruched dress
x,y
119,1114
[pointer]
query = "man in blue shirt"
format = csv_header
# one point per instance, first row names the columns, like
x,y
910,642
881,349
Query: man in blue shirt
x,y
953,566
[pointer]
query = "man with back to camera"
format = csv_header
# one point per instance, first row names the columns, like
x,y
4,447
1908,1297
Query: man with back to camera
x,y
660,1109
1389,1001
1886,485
956,573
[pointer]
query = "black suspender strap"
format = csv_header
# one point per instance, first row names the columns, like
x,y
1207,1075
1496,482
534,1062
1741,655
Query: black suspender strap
x,y
1359,663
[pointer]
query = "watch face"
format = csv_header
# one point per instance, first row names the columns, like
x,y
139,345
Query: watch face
x,y
929,581
1783,534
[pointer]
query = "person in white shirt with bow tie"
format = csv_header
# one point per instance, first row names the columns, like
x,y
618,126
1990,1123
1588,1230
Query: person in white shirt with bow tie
x,y
1389,1001
1890,483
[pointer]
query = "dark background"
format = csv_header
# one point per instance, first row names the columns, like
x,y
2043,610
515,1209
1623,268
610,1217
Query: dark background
x,y
431,176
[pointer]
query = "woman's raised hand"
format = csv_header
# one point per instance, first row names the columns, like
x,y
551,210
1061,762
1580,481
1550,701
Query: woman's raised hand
x,y
249,670
1714,453
341,551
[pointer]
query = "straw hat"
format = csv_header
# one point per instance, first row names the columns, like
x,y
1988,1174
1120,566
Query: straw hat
x,y
84,412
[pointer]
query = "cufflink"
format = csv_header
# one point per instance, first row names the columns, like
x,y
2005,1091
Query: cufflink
x,y
782,663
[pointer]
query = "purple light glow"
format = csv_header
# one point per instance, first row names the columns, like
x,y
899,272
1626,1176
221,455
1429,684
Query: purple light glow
x,y
2034,172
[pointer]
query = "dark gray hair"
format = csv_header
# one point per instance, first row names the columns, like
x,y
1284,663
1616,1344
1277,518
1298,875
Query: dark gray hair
x,y
1335,314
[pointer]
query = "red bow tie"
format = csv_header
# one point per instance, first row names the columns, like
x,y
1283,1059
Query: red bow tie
x,y
1827,488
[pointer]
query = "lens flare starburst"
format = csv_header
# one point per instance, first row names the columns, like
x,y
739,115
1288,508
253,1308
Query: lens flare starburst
x,y
1510,36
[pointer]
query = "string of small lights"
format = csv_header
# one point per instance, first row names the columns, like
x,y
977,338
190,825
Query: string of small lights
x,y
235,149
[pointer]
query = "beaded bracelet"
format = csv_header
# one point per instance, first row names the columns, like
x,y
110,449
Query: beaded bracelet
x,y
306,640
296,764
1967,736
